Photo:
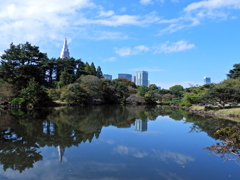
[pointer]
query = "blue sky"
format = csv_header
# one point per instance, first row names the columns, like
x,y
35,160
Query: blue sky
x,y
176,41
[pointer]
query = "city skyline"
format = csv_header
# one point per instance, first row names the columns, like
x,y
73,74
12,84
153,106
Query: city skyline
x,y
177,42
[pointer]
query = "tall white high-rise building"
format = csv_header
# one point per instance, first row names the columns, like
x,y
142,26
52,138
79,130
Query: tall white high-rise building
x,y
65,52
142,78
134,79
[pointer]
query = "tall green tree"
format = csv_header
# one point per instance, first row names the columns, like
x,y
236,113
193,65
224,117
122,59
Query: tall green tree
x,y
22,62
93,69
88,69
235,72
99,73
65,79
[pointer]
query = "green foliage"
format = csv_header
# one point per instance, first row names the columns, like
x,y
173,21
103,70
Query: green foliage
x,y
20,63
54,94
233,83
7,90
17,101
164,91
153,87
190,98
135,99
93,69
65,79
74,94
126,82
142,90
150,97
221,95
92,85
235,72
99,73
177,90
17,112
34,94
120,90
175,101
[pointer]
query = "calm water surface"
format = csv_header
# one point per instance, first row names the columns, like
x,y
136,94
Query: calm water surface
x,y
112,143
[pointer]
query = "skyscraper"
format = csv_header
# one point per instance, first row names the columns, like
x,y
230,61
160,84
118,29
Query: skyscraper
x,y
107,76
142,78
134,79
65,52
126,76
140,125
207,80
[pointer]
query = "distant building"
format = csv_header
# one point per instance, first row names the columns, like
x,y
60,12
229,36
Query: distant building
x,y
140,125
207,80
142,78
126,76
65,52
148,82
134,79
159,87
107,76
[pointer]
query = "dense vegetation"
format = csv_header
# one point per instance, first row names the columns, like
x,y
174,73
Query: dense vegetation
x,y
29,77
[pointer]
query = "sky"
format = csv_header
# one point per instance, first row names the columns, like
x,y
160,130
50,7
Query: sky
x,y
177,41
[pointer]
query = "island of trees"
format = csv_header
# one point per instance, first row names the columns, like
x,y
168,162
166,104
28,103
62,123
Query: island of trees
x,y
29,78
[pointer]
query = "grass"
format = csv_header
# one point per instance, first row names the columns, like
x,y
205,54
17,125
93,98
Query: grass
x,y
198,108
235,111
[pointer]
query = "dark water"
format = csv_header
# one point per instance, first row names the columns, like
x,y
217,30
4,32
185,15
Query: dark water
x,y
112,143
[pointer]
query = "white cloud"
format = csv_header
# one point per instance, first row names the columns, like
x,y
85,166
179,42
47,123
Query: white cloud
x,y
173,47
106,13
213,4
145,2
124,150
166,47
111,59
45,22
128,51
23,21
100,35
196,13
167,156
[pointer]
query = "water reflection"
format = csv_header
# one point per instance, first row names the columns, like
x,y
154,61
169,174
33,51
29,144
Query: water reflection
x,y
24,133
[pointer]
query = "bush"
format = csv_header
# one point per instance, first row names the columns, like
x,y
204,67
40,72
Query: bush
x,y
17,101
166,103
54,94
135,99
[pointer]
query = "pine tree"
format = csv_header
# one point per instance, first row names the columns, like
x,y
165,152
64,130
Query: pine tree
x,y
88,68
99,72
93,69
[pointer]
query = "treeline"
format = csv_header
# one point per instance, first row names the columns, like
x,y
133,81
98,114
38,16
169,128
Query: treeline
x,y
216,94
29,77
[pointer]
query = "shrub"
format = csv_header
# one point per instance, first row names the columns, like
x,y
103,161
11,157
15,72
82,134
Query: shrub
x,y
17,101
135,99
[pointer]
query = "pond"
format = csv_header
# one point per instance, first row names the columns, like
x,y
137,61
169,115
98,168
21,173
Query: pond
x,y
113,143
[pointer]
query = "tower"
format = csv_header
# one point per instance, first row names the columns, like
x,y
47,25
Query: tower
x,y
65,52
207,80
142,78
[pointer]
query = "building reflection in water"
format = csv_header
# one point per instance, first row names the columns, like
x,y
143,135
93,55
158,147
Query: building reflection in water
x,y
61,151
140,125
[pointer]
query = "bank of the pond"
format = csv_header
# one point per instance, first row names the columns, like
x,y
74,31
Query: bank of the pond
x,y
228,112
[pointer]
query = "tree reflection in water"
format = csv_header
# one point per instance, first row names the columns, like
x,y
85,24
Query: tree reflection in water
x,y
229,148
24,132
